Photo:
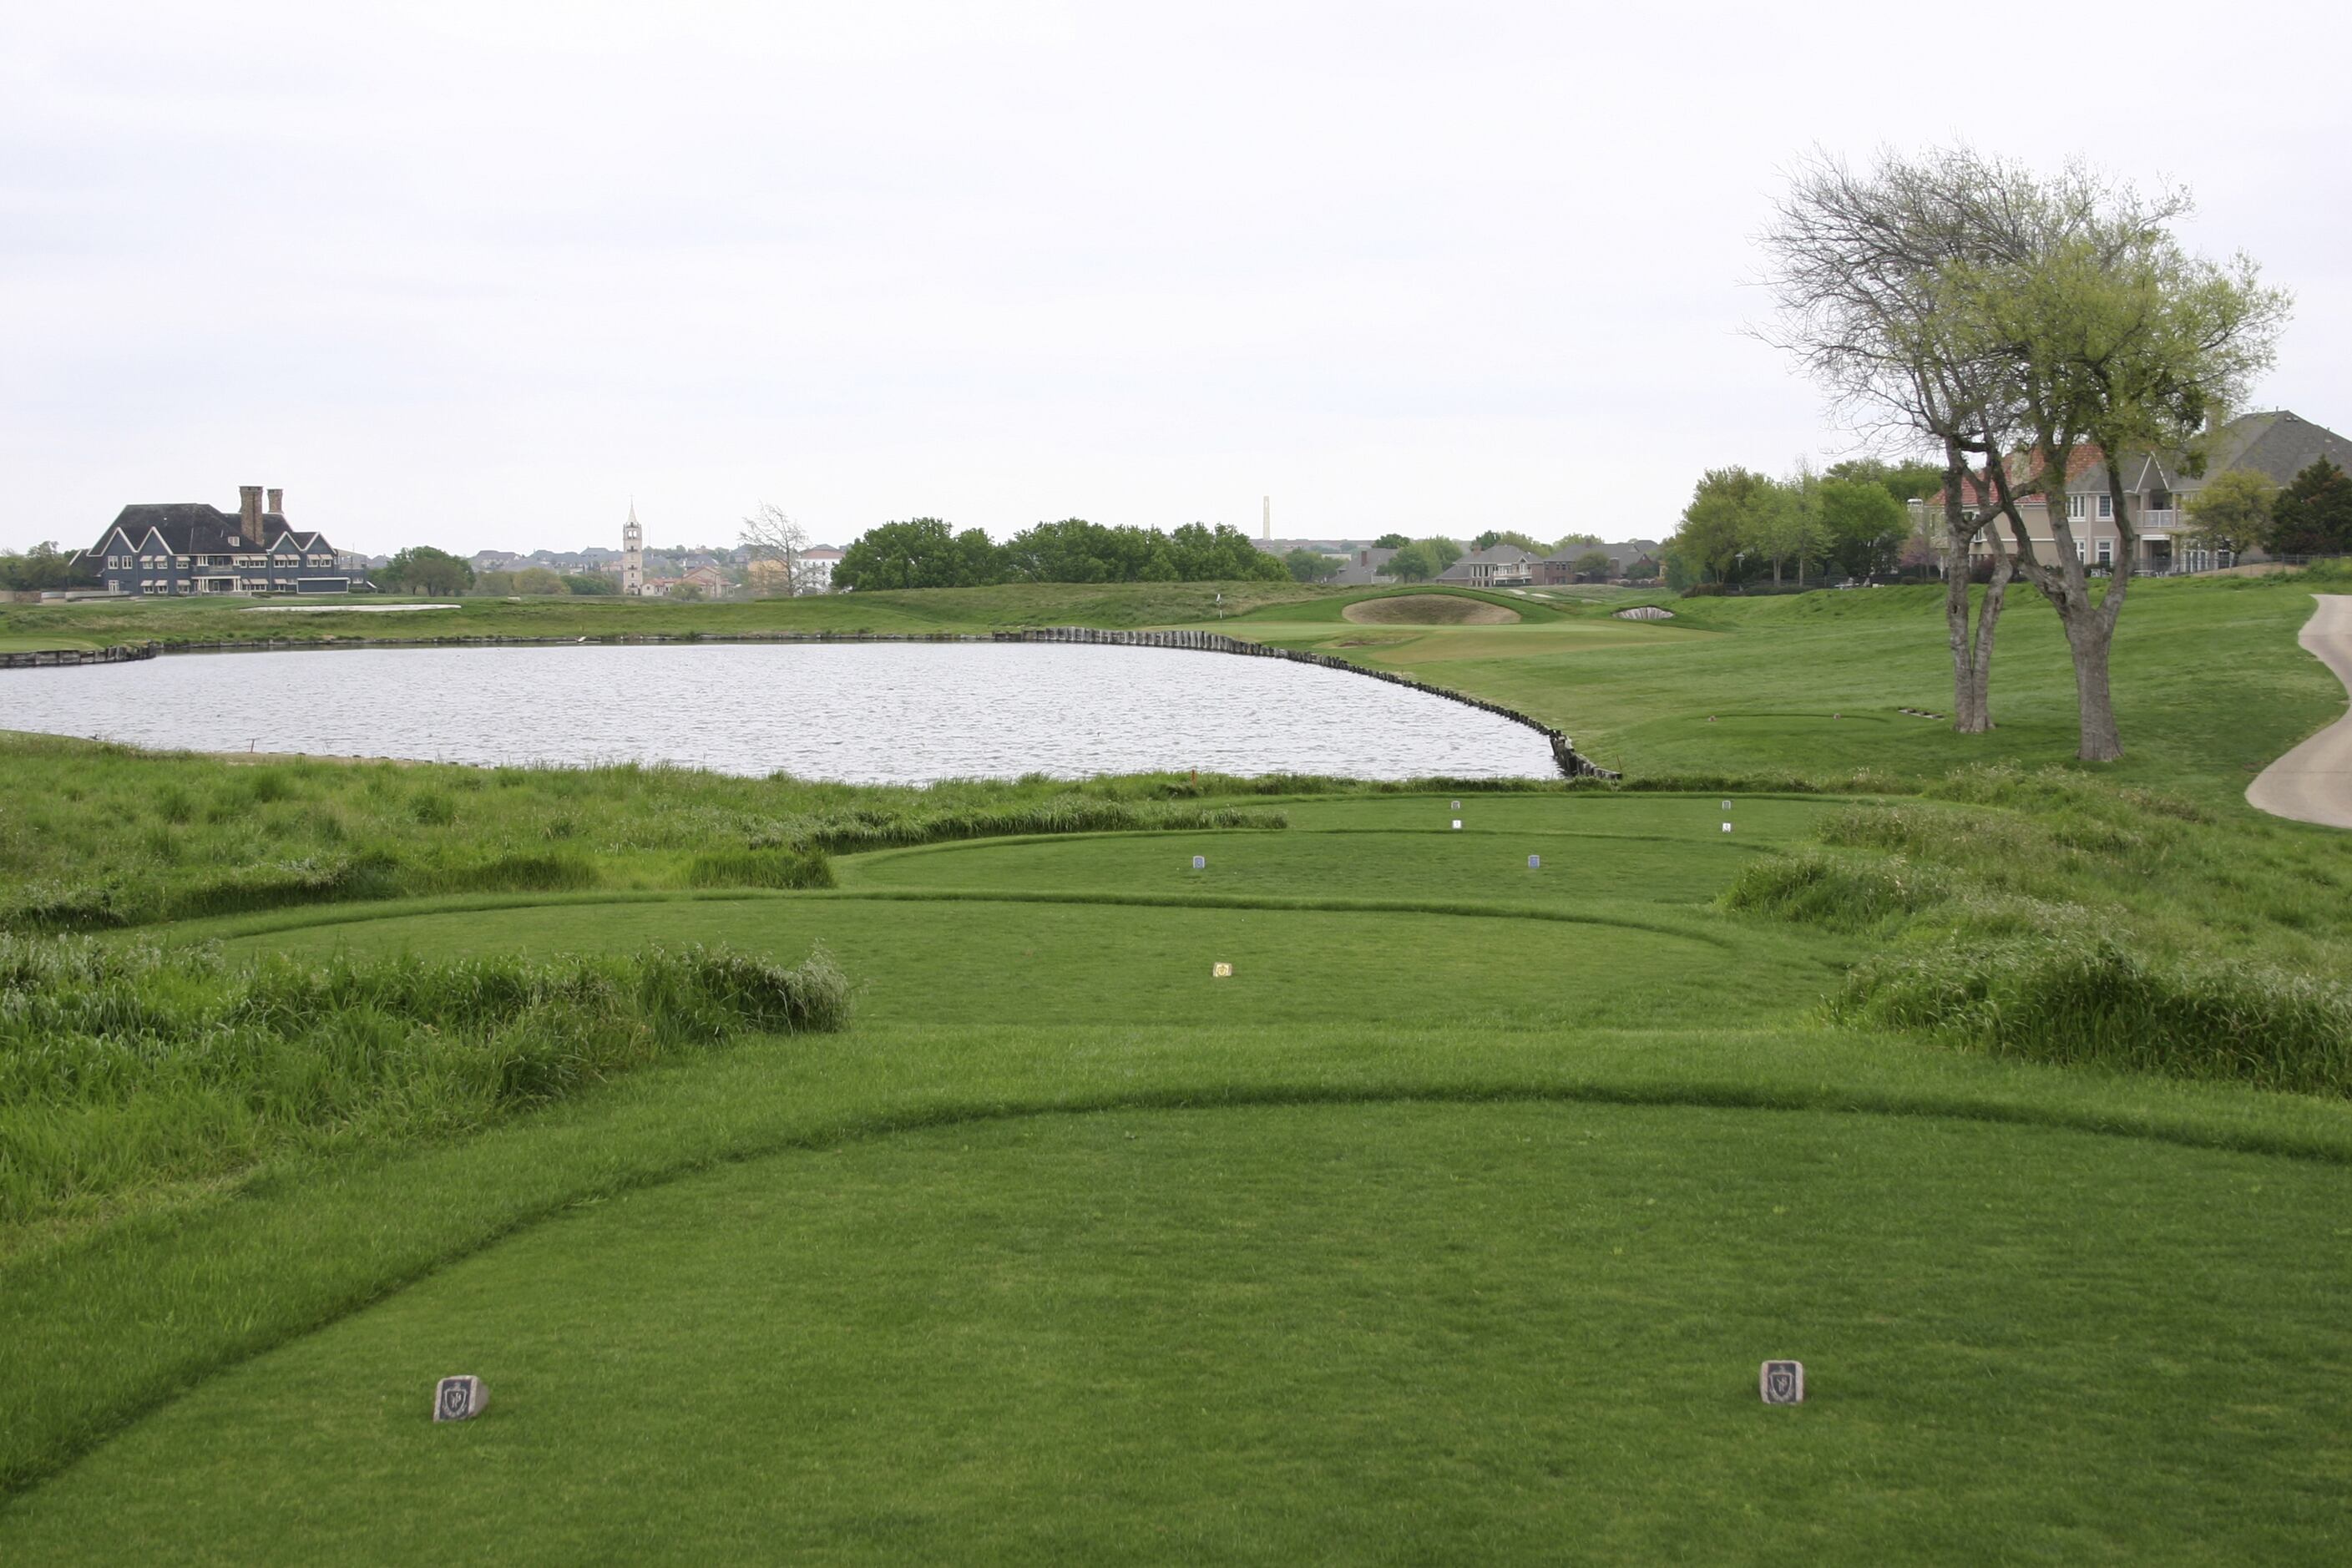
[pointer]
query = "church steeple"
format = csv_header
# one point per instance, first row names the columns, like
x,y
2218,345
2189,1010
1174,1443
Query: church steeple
x,y
632,554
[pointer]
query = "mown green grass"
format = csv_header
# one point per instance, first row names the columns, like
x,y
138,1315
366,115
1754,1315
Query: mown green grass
x,y
2209,685
1513,1332
1380,1273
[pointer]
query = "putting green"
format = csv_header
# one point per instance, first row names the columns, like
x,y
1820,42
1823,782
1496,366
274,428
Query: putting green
x,y
1415,1331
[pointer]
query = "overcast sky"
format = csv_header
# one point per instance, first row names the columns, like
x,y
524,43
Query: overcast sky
x,y
474,274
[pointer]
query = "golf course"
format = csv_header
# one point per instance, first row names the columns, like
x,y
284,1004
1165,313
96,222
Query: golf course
x,y
1185,1167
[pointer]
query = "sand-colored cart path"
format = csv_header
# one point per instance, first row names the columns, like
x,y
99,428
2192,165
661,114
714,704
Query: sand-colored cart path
x,y
2314,782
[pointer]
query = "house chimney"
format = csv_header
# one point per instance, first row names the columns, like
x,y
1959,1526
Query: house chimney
x,y
277,502
248,509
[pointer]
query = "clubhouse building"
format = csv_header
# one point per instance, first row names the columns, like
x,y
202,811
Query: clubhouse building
x,y
187,548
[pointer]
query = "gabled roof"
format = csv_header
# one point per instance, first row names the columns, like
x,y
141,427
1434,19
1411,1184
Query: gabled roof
x,y
193,527
2279,445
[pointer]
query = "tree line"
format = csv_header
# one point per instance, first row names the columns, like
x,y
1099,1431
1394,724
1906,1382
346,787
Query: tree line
x,y
42,569
926,552
1852,521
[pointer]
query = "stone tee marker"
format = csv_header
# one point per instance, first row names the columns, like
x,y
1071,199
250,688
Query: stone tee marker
x,y
1727,828
1457,825
1783,1381
1200,862
1221,972
1534,862
459,1399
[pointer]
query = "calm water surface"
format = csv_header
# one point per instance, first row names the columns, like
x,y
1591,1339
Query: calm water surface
x,y
874,712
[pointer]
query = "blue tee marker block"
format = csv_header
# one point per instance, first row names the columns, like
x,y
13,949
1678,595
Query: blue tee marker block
x,y
1534,862
1200,862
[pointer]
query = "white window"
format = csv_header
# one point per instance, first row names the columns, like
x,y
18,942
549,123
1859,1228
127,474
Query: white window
x,y
2075,509
2106,507
2106,553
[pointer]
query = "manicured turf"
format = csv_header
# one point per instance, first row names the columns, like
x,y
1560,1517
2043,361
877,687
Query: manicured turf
x,y
1285,1333
1451,1225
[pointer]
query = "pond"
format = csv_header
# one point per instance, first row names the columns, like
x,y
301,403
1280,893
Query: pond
x,y
868,714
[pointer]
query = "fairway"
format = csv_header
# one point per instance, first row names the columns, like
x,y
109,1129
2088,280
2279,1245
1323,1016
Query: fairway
x,y
1399,1331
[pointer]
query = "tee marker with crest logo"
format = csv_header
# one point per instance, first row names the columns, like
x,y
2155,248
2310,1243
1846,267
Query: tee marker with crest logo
x,y
1783,1381
459,1399
1221,972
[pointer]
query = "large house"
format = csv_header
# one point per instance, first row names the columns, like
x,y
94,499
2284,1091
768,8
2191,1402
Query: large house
x,y
2157,488
1560,566
1497,566
189,548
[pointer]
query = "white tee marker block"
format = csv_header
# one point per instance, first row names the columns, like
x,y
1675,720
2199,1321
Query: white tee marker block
x,y
1457,825
1727,828
1783,1383
1221,972
1200,862
459,1399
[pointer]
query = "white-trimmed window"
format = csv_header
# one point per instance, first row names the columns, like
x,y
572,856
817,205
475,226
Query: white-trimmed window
x,y
2106,507
2075,508
2106,553
2078,550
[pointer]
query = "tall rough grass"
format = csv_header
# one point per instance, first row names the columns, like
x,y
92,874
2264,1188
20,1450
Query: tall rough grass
x,y
124,1068
2089,999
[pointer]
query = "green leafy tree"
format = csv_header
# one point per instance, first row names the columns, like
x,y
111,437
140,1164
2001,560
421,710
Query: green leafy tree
x,y
41,568
421,569
539,582
1903,481
921,552
1571,540
1413,563
1444,552
588,584
1863,524
2118,338
2313,515
687,593
1391,541
1592,566
1780,523
1492,537
1310,565
1714,527
2233,512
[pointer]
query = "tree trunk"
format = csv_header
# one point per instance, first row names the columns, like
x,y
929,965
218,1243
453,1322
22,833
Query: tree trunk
x,y
2089,636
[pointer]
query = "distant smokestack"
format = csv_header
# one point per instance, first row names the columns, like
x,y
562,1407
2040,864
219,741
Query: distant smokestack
x,y
277,502
1265,517
248,509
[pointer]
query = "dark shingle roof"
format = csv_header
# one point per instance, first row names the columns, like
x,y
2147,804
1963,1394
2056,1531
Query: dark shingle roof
x,y
194,528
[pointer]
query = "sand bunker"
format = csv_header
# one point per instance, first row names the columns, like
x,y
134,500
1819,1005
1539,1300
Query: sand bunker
x,y
1429,610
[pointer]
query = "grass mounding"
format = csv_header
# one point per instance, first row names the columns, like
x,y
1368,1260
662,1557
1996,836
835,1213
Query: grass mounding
x,y
125,1068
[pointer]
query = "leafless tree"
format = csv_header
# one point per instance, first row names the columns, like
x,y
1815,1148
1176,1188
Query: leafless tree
x,y
774,545
1857,267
